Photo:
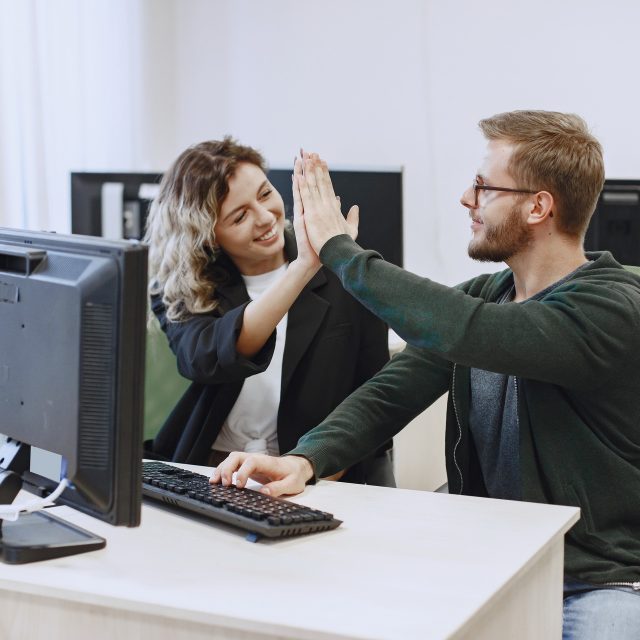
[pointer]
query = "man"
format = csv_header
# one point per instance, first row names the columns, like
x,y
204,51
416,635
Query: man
x,y
540,361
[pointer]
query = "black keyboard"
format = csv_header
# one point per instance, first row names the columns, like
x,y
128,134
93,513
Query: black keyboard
x,y
256,513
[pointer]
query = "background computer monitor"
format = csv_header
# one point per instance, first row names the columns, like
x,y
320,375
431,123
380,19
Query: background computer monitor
x,y
115,205
378,193
111,205
615,225
72,349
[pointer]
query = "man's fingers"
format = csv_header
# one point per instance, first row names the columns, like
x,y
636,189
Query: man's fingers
x,y
317,174
310,174
224,471
308,196
353,220
324,180
248,467
286,486
259,465
319,178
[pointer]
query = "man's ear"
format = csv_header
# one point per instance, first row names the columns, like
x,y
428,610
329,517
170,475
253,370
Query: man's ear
x,y
541,208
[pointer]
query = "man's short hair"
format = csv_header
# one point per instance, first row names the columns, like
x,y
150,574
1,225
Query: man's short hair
x,y
553,152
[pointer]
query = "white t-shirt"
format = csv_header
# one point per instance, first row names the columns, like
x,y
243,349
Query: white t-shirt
x,y
252,422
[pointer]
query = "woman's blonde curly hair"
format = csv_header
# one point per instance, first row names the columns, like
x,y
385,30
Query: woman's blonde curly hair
x,y
180,228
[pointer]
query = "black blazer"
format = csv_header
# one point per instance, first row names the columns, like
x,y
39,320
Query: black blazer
x,y
333,345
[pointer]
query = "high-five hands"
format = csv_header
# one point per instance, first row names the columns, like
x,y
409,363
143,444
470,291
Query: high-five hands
x,y
287,475
322,214
306,253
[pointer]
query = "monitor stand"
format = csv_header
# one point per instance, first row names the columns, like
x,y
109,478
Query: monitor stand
x,y
38,535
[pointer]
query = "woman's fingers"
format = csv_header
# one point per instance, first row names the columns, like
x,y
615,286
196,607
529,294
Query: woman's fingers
x,y
297,198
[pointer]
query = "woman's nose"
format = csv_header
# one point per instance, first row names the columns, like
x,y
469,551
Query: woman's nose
x,y
264,216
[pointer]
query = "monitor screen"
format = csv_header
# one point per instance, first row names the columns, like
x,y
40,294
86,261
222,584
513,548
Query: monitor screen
x,y
115,205
72,348
615,225
378,193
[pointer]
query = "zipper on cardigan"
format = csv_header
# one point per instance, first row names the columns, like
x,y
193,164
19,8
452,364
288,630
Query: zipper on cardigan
x,y
632,585
455,411
515,384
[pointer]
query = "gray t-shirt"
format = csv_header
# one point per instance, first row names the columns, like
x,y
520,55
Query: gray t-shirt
x,y
493,420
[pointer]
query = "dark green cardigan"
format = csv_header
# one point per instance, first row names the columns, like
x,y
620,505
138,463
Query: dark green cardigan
x,y
575,354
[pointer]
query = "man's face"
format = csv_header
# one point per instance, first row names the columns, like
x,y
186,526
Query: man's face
x,y
498,220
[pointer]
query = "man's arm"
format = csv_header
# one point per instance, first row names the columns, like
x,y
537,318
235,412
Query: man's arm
x,y
574,337
370,416
375,412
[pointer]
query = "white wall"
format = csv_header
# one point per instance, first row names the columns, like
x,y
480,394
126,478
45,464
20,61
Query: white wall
x,y
404,82
127,84
484,58
75,94
345,78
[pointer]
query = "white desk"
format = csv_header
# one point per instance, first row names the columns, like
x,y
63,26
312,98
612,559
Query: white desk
x,y
405,564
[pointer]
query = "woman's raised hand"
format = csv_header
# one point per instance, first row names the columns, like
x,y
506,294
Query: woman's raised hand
x,y
306,253
322,214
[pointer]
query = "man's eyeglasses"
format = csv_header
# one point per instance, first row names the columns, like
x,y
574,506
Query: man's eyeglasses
x,y
483,187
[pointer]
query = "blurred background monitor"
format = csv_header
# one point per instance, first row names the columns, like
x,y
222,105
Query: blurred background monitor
x,y
615,225
378,193
112,205
115,205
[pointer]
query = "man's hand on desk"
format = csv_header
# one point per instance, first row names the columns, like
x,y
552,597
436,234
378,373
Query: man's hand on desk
x,y
280,476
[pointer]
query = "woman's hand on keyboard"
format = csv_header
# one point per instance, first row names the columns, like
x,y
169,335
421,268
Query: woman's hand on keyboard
x,y
287,475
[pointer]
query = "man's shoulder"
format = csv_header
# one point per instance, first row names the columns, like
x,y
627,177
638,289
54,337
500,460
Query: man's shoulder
x,y
605,272
488,286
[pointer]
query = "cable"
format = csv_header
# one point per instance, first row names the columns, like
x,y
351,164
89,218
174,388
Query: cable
x,y
12,512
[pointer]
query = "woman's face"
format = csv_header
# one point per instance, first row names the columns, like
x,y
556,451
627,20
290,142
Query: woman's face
x,y
250,226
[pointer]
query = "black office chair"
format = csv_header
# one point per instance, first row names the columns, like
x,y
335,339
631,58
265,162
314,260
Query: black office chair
x,y
163,385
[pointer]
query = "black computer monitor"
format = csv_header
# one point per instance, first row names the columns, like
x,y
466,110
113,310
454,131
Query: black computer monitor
x,y
378,193
112,205
72,349
116,204
615,225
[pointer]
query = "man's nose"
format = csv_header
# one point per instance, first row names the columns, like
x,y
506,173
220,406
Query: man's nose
x,y
468,198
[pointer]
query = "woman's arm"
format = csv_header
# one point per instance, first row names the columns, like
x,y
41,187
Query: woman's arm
x,y
205,345
261,316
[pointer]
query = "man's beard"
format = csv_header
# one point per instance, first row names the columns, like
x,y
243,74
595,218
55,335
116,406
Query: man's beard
x,y
503,241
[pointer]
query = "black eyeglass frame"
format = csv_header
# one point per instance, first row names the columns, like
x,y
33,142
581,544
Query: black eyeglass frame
x,y
477,187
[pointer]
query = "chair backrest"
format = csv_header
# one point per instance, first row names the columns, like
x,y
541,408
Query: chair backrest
x,y
163,385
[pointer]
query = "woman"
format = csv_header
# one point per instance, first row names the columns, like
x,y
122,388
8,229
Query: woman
x,y
270,340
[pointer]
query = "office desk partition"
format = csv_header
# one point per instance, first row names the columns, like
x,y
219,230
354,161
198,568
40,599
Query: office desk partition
x,y
405,564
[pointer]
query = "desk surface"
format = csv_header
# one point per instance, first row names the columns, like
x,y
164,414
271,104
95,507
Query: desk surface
x,y
404,564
